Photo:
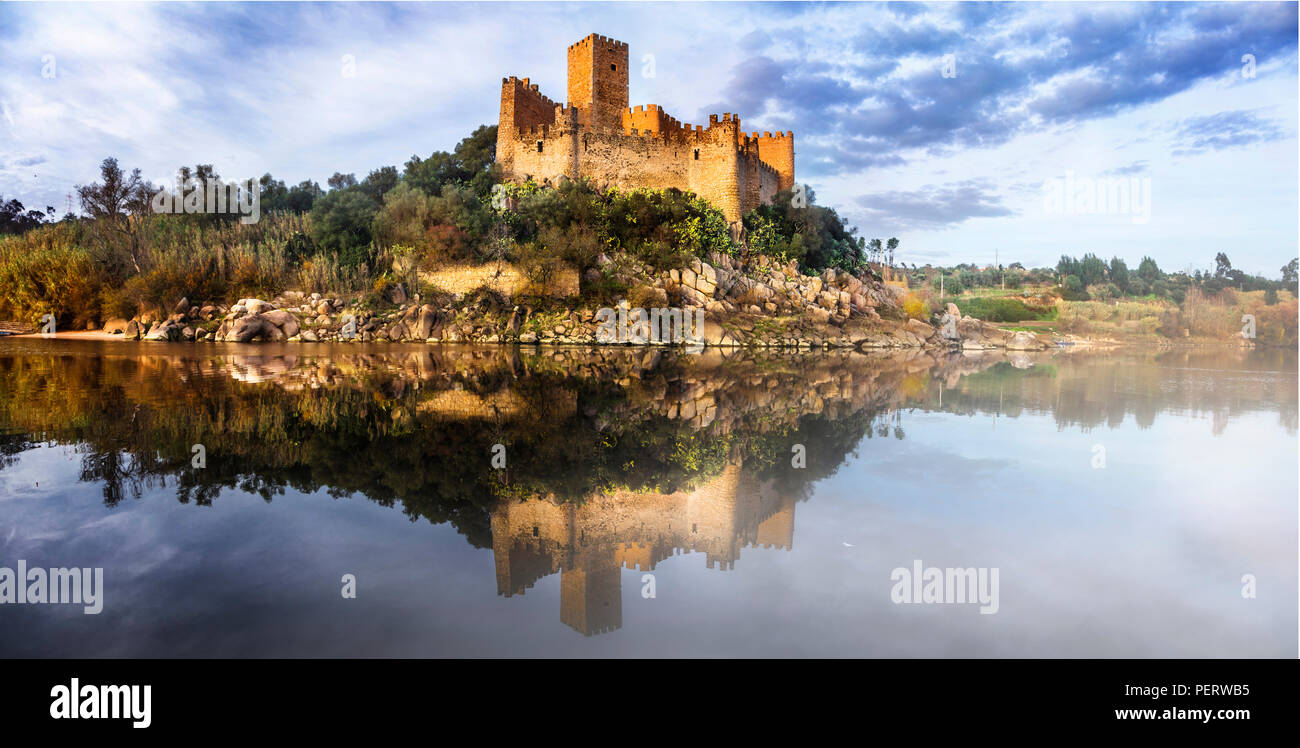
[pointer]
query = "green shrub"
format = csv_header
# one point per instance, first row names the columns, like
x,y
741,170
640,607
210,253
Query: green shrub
x,y
995,309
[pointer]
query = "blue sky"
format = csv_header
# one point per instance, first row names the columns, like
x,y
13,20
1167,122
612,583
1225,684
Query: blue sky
x,y
955,165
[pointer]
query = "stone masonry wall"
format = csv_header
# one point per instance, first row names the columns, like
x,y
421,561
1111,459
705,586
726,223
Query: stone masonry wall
x,y
522,107
717,163
504,278
598,137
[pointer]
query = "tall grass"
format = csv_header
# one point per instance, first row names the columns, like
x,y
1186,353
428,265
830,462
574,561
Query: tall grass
x,y
38,279
81,271
1201,315
326,275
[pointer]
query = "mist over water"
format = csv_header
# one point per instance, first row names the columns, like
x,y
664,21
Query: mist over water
x,y
377,462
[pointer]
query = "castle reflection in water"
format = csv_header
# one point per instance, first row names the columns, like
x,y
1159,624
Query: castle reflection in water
x,y
588,543
619,458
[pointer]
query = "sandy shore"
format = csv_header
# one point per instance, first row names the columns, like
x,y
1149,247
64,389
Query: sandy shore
x,y
72,335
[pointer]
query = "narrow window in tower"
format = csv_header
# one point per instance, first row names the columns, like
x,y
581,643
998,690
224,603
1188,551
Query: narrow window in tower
x,y
612,66
697,154
539,146
534,531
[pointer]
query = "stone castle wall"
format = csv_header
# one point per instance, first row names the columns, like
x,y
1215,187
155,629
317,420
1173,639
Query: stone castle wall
x,y
597,136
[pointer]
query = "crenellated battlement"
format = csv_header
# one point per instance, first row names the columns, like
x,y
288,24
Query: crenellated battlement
x,y
597,39
597,134
526,88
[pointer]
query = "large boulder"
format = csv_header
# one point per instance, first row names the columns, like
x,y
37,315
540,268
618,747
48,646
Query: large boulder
x,y
817,314
425,322
397,294
691,297
166,331
246,329
969,327
920,329
1025,341
284,320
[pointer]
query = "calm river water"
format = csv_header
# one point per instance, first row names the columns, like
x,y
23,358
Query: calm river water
x,y
296,500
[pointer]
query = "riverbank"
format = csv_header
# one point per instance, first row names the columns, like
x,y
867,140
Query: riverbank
x,y
879,342
723,302
583,329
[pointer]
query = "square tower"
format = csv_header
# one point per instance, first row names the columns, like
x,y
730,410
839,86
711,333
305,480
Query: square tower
x,y
598,80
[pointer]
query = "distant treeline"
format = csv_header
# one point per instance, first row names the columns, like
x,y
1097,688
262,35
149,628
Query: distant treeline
x,y
1090,277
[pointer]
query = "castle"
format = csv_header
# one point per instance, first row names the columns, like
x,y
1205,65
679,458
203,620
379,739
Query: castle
x,y
588,542
597,136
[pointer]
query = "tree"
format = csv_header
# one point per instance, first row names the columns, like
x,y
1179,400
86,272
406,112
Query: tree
x,y
1072,289
875,252
297,199
471,164
1067,265
1289,272
113,202
404,217
1119,274
341,224
813,234
1148,270
14,219
118,196
303,195
342,181
1221,265
378,182
1091,269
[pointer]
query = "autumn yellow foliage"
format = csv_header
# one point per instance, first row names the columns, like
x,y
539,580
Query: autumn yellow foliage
x,y
915,307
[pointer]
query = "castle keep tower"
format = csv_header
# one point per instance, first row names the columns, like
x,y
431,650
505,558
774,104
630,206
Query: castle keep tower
x,y
598,82
596,135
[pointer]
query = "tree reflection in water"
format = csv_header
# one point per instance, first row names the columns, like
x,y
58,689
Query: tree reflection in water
x,y
616,458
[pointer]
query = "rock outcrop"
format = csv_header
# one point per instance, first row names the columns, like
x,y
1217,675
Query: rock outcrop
x,y
732,303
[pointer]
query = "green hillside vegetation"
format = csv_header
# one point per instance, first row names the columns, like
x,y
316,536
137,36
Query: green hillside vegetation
x,y
359,236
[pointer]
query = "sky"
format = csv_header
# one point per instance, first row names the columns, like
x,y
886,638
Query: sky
x,y
968,130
